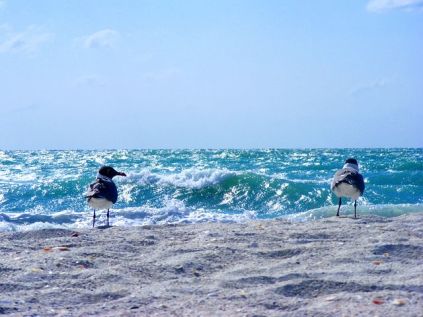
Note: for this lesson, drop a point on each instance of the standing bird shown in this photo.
(348, 182)
(102, 194)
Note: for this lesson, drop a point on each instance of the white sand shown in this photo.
(333, 267)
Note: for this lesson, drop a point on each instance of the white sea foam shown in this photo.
(9, 177)
(42, 225)
(189, 178)
(175, 212)
(387, 210)
(7, 227)
(284, 176)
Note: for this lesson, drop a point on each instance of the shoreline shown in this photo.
(328, 267)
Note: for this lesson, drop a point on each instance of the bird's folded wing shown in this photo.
(348, 176)
(344, 176)
(94, 190)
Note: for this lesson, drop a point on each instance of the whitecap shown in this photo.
(189, 178)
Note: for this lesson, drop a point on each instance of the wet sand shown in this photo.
(332, 267)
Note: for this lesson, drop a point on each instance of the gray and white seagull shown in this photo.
(102, 194)
(348, 182)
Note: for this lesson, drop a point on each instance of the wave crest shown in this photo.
(193, 178)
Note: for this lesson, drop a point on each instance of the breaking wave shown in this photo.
(45, 188)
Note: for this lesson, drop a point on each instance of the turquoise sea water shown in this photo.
(42, 189)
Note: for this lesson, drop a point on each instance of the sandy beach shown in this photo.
(332, 267)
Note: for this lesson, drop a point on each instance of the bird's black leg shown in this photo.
(94, 218)
(107, 217)
(355, 209)
(339, 206)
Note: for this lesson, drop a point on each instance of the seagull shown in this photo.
(102, 194)
(348, 182)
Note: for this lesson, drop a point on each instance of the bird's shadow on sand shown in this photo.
(348, 217)
(104, 227)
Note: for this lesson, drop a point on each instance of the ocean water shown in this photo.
(44, 189)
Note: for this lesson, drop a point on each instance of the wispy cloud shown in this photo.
(369, 86)
(2, 4)
(104, 38)
(90, 80)
(21, 110)
(162, 75)
(28, 41)
(383, 5)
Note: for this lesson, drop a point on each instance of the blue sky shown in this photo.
(210, 74)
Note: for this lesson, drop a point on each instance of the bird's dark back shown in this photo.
(349, 176)
(105, 189)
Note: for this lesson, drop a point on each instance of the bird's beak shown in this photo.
(121, 174)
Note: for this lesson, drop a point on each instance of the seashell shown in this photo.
(378, 301)
(399, 302)
(36, 269)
